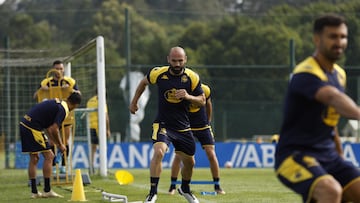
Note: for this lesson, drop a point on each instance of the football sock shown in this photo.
(47, 185)
(33, 185)
(154, 184)
(173, 185)
(217, 184)
(185, 185)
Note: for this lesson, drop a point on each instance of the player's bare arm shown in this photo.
(53, 132)
(337, 141)
(208, 108)
(199, 100)
(343, 104)
(139, 90)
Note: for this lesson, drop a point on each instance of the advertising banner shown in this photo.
(138, 155)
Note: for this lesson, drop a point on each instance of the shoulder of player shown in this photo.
(309, 65)
(69, 79)
(192, 75)
(156, 72)
(46, 80)
(159, 69)
(65, 106)
(92, 102)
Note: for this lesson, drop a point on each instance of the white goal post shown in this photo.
(101, 91)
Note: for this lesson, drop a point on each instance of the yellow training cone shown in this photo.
(124, 177)
(78, 193)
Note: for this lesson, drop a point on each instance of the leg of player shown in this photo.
(186, 172)
(94, 143)
(327, 190)
(175, 169)
(352, 192)
(214, 167)
(92, 158)
(47, 168)
(34, 159)
(155, 170)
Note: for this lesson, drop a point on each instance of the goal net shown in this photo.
(22, 77)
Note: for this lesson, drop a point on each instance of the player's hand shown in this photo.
(62, 148)
(65, 86)
(44, 87)
(181, 94)
(133, 108)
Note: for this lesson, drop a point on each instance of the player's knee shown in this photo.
(158, 153)
(189, 161)
(210, 153)
(35, 158)
(329, 189)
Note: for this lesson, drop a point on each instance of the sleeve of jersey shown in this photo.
(207, 91)
(198, 90)
(154, 73)
(306, 84)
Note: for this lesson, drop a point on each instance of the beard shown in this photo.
(334, 53)
(176, 69)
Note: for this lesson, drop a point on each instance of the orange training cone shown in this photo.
(78, 193)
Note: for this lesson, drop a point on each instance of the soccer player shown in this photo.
(46, 116)
(59, 80)
(178, 87)
(307, 159)
(200, 119)
(94, 127)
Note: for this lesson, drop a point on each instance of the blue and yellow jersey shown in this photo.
(93, 116)
(198, 116)
(172, 112)
(44, 114)
(308, 125)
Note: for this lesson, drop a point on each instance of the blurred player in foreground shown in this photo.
(44, 118)
(308, 159)
(200, 119)
(178, 87)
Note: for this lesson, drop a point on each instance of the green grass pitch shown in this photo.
(241, 186)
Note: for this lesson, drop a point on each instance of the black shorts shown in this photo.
(299, 172)
(94, 136)
(205, 136)
(33, 140)
(183, 141)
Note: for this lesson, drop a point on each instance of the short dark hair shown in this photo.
(74, 98)
(328, 20)
(57, 62)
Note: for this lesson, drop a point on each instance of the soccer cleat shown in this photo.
(151, 198)
(172, 189)
(188, 196)
(36, 195)
(220, 191)
(50, 194)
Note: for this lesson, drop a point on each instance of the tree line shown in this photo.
(208, 33)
